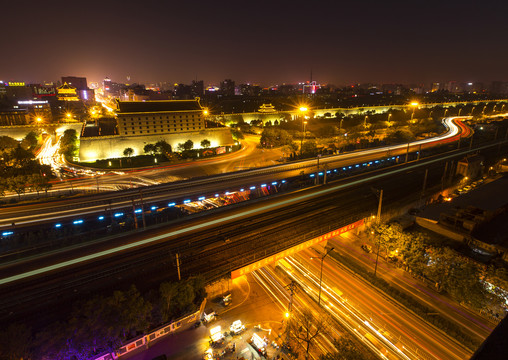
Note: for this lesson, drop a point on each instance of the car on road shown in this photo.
(237, 327)
(367, 248)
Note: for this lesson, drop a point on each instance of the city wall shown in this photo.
(107, 147)
(248, 117)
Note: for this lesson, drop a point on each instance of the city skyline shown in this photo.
(264, 43)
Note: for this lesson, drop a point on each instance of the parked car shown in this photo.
(367, 248)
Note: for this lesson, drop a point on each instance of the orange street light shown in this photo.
(39, 119)
(205, 112)
(68, 115)
(303, 109)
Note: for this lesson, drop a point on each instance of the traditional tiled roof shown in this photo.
(158, 106)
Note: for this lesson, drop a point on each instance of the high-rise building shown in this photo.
(197, 88)
(78, 82)
(227, 87)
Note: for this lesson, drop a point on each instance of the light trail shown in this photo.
(292, 200)
(453, 130)
(341, 309)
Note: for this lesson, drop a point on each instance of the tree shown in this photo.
(31, 139)
(7, 143)
(15, 342)
(272, 136)
(162, 147)
(40, 182)
(128, 152)
(305, 327)
(205, 143)
(18, 184)
(188, 145)
(236, 134)
(68, 143)
(150, 149)
(399, 137)
(309, 148)
(167, 292)
(346, 348)
(131, 311)
(20, 156)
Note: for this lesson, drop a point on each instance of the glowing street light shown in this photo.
(205, 112)
(302, 110)
(388, 121)
(414, 104)
(39, 119)
(68, 115)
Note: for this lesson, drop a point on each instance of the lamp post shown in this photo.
(302, 110)
(303, 138)
(414, 104)
(388, 121)
(472, 110)
(459, 112)
(446, 110)
(321, 273)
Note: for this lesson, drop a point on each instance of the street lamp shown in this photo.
(303, 138)
(414, 104)
(302, 110)
(472, 110)
(459, 112)
(365, 121)
(321, 273)
(483, 111)
(388, 121)
(446, 110)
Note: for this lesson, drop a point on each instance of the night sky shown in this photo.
(265, 42)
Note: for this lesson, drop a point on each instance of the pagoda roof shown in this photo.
(158, 106)
(66, 86)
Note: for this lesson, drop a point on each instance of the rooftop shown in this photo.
(489, 197)
(158, 106)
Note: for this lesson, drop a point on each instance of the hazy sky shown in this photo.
(266, 42)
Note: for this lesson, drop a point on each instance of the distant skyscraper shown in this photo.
(78, 82)
(227, 87)
(197, 88)
(106, 84)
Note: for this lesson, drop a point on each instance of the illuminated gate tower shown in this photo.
(67, 93)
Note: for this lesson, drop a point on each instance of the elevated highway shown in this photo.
(191, 190)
